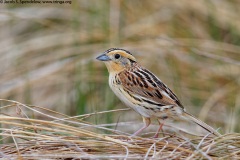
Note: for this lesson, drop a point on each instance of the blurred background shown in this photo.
(47, 55)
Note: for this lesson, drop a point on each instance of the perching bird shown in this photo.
(142, 91)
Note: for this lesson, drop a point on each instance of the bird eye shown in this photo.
(117, 56)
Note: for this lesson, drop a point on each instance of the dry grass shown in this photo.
(62, 137)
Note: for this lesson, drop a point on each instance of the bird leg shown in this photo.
(159, 129)
(146, 122)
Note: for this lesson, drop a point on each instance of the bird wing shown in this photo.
(141, 83)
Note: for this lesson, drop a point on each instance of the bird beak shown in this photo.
(103, 57)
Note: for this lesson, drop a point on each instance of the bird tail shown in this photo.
(201, 124)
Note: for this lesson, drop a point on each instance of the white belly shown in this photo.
(126, 99)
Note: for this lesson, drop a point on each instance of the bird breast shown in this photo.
(127, 99)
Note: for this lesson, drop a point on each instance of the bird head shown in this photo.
(117, 59)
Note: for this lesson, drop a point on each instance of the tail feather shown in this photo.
(201, 124)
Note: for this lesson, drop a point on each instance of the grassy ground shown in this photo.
(48, 55)
(58, 136)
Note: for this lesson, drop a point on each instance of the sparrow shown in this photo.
(142, 91)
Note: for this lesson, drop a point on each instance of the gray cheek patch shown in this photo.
(124, 61)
